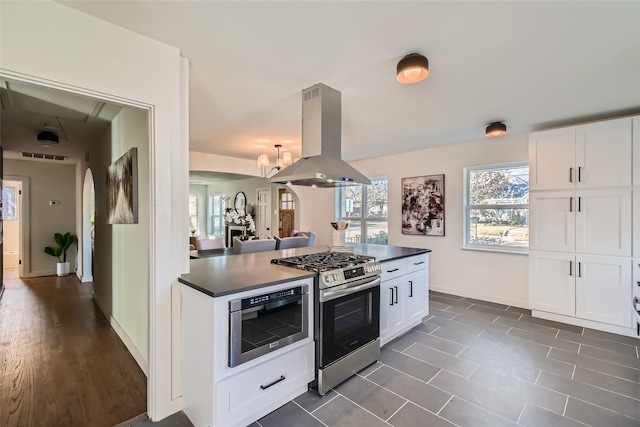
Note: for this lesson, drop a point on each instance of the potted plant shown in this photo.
(64, 241)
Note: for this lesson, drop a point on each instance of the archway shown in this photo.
(88, 212)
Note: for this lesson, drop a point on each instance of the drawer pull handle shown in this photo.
(264, 387)
(570, 174)
(579, 174)
(391, 289)
(418, 263)
(570, 204)
(410, 289)
(391, 271)
(396, 288)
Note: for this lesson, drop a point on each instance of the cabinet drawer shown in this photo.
(395, 268)
(417, 262)
(247, 396)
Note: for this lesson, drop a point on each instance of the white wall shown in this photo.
(53, 45)
(490, 276)
(47, 181)
(121, 251)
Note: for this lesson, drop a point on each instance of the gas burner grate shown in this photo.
(323, 261)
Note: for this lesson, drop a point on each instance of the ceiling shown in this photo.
(530, 64)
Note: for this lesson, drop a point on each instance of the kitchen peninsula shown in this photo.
(221, 388)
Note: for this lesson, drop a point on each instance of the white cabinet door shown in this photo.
(391, 309)
(416, 297)
(603, 154)
(636, 220)
(552, 221)
(603, 289)
(552, 159)
(603, 222)
(551, 282)
(636, 150)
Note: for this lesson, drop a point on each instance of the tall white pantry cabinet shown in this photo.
(584, 223)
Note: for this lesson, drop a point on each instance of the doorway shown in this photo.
(287, 212)
(11, 217)
(264, 212)
(88, 226)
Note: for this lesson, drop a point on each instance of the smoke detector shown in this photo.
(46, 137)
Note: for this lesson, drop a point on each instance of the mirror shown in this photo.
(240, 203)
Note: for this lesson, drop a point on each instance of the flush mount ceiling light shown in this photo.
(496, 129)
(412, 68)
(264, 163)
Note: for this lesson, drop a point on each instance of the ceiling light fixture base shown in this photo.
(413, 68)
(496, 129)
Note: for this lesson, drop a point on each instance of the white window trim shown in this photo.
(466, 231)
(362, 219)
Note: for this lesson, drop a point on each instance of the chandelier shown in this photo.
(264, 162)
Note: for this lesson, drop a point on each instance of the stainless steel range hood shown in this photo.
(320, 165)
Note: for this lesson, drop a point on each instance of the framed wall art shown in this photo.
(122, 189)
(423, 205)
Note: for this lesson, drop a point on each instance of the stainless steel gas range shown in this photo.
(347, 313)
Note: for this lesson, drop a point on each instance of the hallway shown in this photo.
(61, 363)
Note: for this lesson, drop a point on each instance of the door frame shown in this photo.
(23, 212)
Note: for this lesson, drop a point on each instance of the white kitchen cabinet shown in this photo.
(636, 220)
(589, 287)
(603, 291)
(416, 297)
(241, 399)
(603, 222)
(587, 221)
(592, 155)
(636, 151)
(552, 221)
(404, 295)
(551, 282)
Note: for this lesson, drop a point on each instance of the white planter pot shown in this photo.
(62, 268)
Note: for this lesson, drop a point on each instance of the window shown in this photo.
(193, 214)
(497, 207)
(364, 207)
(216, 214)
(286, 201)
(9, 204)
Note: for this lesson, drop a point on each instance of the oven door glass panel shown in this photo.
(267, 325)
(348, 323)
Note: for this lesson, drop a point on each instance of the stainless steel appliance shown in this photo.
(267, 322)
(347, 320)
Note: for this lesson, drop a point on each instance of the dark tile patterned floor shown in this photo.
(475, 363)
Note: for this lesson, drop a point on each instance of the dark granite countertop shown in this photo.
(225, 275)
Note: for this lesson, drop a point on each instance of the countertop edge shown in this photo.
(247, 288)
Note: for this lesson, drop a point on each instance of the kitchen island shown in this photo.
(216, 392)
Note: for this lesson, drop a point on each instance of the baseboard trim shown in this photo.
(480, 296)
(128, 342)
(570, 320)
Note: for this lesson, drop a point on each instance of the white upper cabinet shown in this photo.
(593, 155)
(552, 159)
(603, 154)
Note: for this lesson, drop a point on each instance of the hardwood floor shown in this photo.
(61, 363)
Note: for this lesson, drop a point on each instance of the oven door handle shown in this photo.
(328, 295)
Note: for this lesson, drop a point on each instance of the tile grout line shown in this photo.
(360, 406)
(566, 403)
(445, 404)
(320, 405)
(522, 412)
(311, 413)
(574, 371)
(548, 352)
(398, 410)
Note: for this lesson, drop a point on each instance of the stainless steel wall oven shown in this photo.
(264, 323)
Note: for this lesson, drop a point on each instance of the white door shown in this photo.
(11, 226)
(552, 282)
(603, 222)
(603, 154)
(603, 289)
(264, 212)
(416, 296)
(552, 159)
(552, 220)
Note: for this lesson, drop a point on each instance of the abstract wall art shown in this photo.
(122, 189)
(423, 205)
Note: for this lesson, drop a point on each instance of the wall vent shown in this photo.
(42, 156)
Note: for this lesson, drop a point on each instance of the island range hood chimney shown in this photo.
(321, 164)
